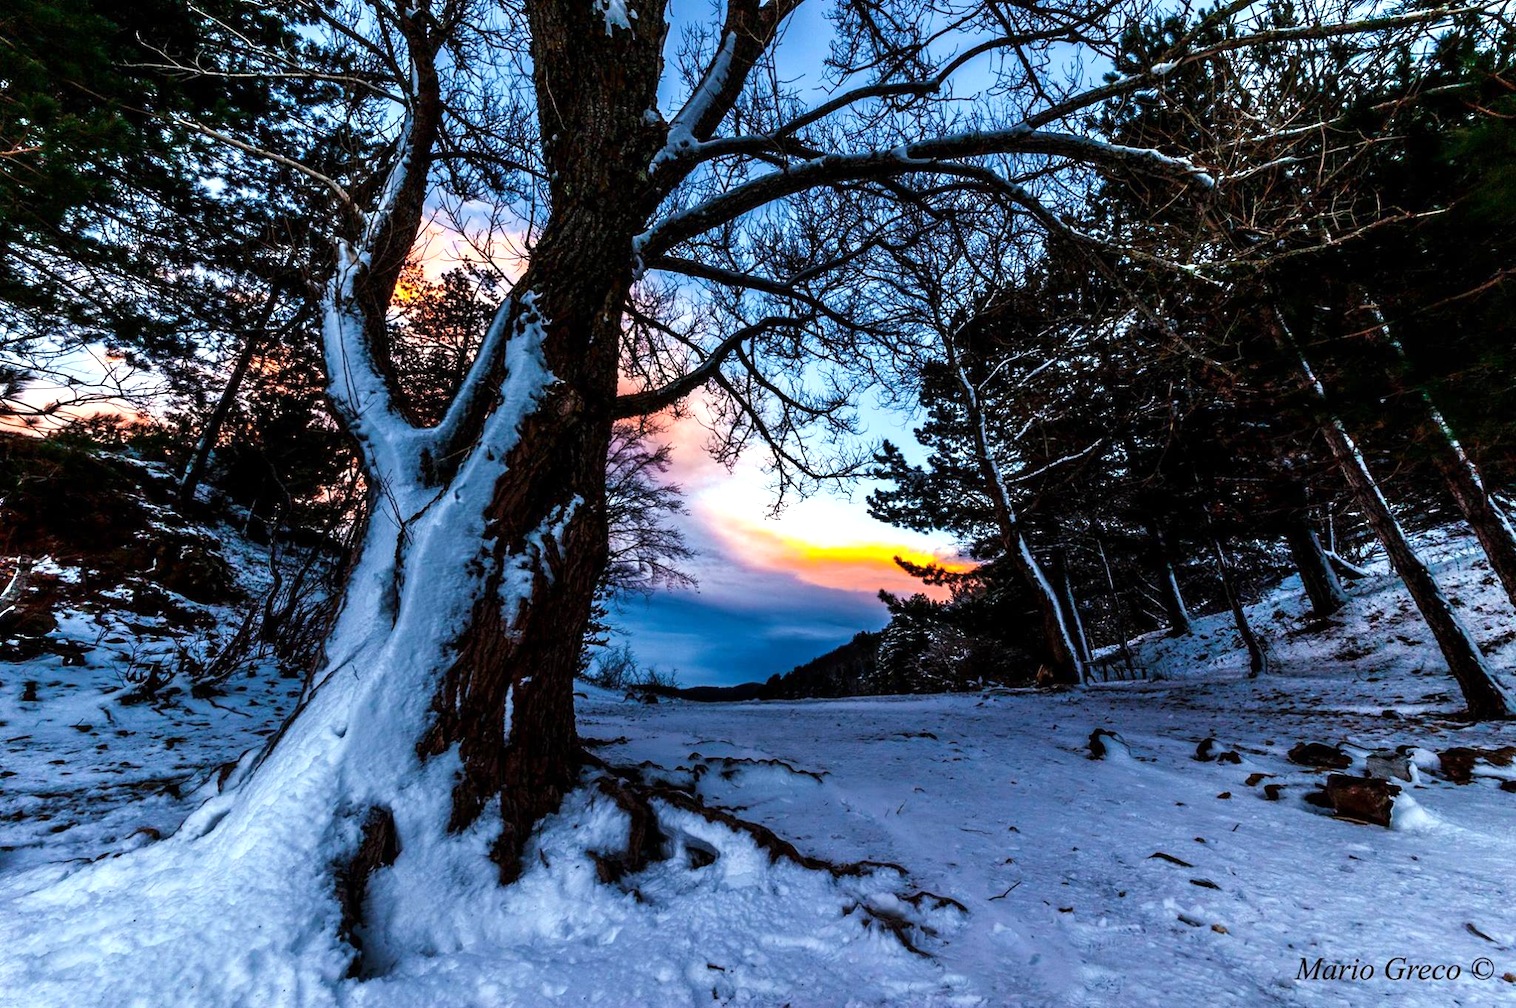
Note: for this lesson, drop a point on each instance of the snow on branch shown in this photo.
(358, 389)
(928, 155)
(748, 32)
(690, 140)
(482, 373)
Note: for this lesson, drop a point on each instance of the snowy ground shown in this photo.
(989, 799)
(85, 763)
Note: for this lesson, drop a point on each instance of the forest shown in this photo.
(352, 355)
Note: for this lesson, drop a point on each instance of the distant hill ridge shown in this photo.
(849, 670)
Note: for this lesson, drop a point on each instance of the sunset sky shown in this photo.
(774, 592)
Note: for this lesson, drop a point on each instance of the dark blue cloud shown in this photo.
(754, 625)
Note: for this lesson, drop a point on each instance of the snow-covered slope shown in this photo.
(104, 732)
(1145, 878)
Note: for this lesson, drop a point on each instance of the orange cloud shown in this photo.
(849, 566)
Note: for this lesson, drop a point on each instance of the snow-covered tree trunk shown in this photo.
(490, 537)
(445, 707)
(1175, 612)
(1490, 523)
(1485, 696)
(1062, 650)
(1070, 601)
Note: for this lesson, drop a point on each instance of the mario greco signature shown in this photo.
(1395, 968)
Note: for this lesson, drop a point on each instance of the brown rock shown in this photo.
(1460, 762)
(1361, 799)
(1318, 754)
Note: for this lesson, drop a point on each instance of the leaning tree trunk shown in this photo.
(1175, 612)
(1486, 698)
(1491, 527)
(1062, 653)
(194, 469)
(1258, 660)
(1488, 520)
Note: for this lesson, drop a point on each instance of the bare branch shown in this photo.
(652, 400)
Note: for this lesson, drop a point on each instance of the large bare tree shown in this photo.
(683, 226)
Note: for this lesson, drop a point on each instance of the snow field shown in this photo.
(1149, 878)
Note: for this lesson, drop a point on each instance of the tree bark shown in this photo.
(1486, 518)
(1321, 584)
(506, 701)
(1485, 697)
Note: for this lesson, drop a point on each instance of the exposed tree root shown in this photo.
(730, 765)
(894, 923)
(776, 846)
(378, 848)
(937, 901)
(645, 841)
(630, 789)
